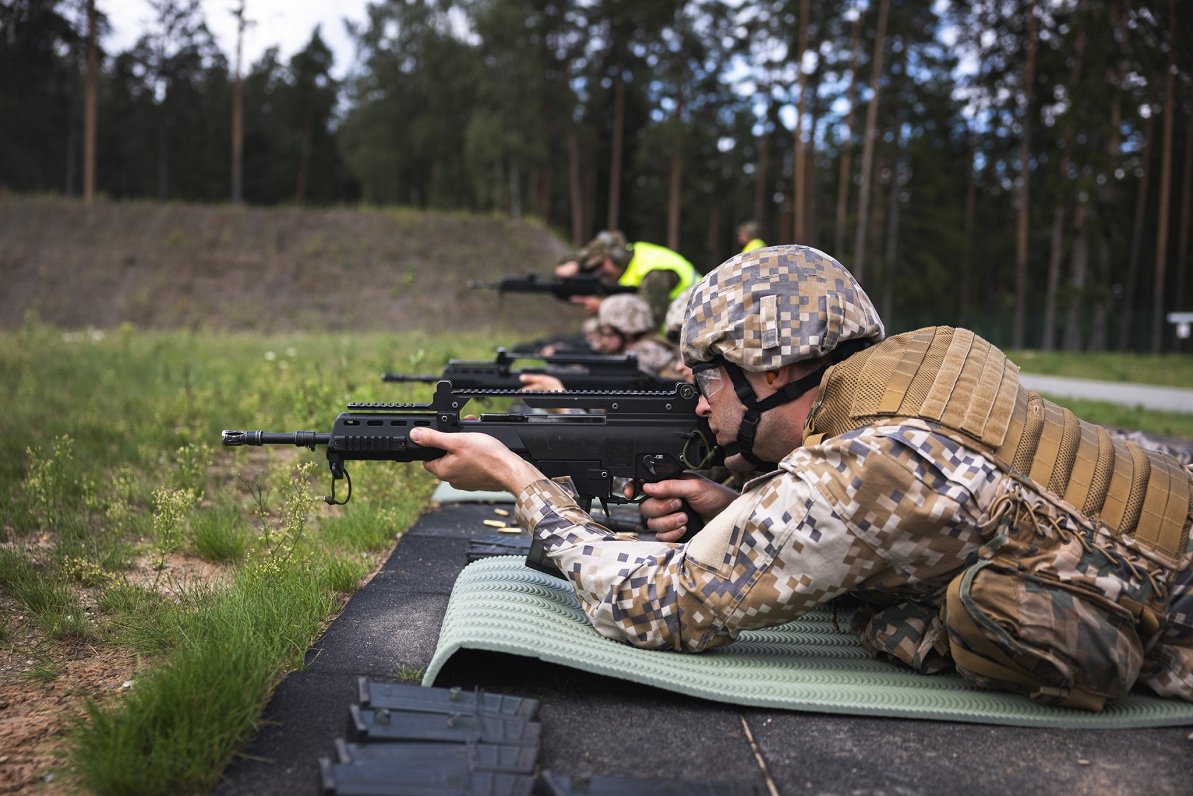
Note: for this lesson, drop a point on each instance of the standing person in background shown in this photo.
(659, 273)
(748, 235)
(981, 526)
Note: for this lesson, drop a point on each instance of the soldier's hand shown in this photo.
(570, 268)
(591, 304)
(662, 507)
(475, 461)
(540, 382)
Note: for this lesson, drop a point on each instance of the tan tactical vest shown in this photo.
(955, 379)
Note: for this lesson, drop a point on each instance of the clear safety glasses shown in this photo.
(708, 379)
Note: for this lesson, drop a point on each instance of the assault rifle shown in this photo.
(576, 371)
(562, 288)
(642, 436)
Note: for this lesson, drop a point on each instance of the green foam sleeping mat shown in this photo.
(499, 604)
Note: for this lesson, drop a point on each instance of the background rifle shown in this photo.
(562, 288)
(643, 436)
(576, 371)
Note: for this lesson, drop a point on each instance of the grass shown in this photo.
(111, 466)
(1166, 370)
(221, 535)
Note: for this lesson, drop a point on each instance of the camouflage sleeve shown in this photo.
(654, 356)
(655, 290)
(823, 525)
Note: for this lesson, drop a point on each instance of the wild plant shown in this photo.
(193, 459)
(171, 509)
(278, 543)
(47, 481)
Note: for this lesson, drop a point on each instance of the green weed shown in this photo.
(48, 482)
(220, 534)
(410, 674)
(171, 510)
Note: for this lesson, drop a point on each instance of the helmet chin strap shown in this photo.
(748, 429)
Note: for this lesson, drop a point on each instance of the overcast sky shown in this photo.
(286, 24)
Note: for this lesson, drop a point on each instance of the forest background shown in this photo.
(1021, 167)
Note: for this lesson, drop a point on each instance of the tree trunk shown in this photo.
(515, 187)
(1077, 281)
(675, 182)
(762, 172)
(89, 116)
(238, 120)
(1108, 193)
(1055, 258)
(1182, 248)
(1158, 286)
(590, 186)
(304, 162)
(1048, 339)
(892, 238)
(846, 171)
(863, 202)
(1018, 336)
(797, 176)
(810, 225)
(616, 154)
(575, 191)
(964, 284)
(714, 233)
(162, 158)
(675, 186)
(1126, 320)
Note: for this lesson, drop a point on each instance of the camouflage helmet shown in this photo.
(677, 310)
(606, 244)
(627, 313)
(774, 306)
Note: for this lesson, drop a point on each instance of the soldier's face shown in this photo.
(608, 341)
(608, 271)
(780, 430)
(723, 410)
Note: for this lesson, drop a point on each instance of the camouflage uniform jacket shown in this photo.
(889, 512)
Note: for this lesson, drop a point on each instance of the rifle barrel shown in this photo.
(422, 378)
(301, 439)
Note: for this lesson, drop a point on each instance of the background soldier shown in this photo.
(624, 325)
(659, 273)
(749, 235)
(980, 525)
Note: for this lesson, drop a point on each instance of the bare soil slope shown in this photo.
(269, 269)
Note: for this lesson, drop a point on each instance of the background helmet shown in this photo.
(627, 313)
(677, 310)
(606, 244)
(774, 306)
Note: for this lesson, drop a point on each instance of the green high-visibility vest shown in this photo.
(649, 257)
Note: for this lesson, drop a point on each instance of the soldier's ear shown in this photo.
(771, 375)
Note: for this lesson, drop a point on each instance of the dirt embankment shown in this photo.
(224, 267)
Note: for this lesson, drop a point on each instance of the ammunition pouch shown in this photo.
(1053, 613)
